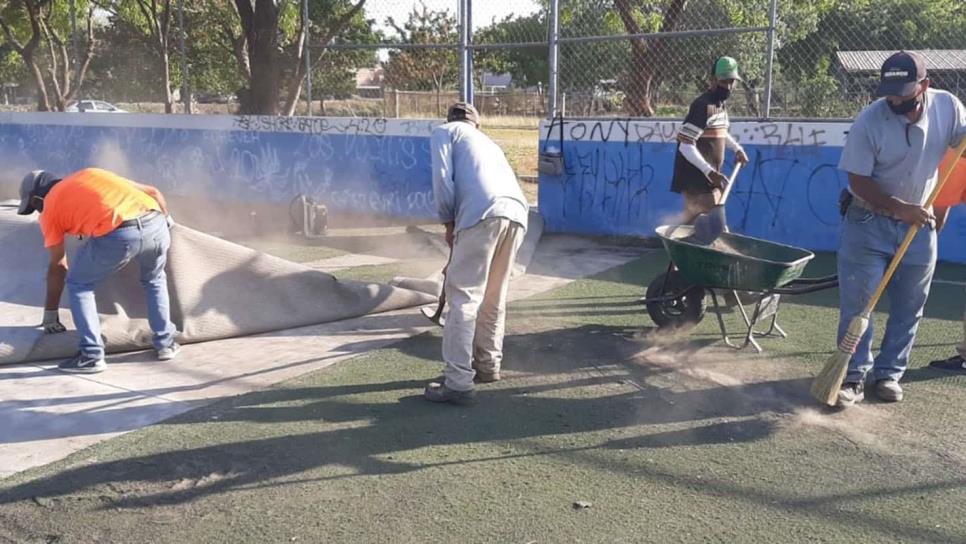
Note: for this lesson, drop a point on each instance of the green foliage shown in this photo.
(424, 69)
(528, 66)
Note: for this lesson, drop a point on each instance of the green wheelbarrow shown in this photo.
(736, 271)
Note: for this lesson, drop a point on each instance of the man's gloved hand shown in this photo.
(52, 324)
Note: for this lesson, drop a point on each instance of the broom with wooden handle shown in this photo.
(826, 386)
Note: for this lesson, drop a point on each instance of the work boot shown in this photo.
(850, 394)
(438, 392)
(79, 364)
(956, 363)
(486, 376)
(888, 390)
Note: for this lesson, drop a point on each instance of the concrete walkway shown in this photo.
(47, 415)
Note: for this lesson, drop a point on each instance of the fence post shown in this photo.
(185, 87)
(772, 19)
(466, 53)
(308, 63)
(552, 60)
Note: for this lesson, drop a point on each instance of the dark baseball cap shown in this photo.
(36, 183)
(463, 111)
(900, 73)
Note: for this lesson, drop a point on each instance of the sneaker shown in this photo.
(80, 364)
(438, 392)
(850, 394)
(956, 363)
(888, 390)
(170, 352)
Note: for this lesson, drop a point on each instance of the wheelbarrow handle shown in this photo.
(731, 183)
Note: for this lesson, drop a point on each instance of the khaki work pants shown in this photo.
(697, 203)
(476, 289)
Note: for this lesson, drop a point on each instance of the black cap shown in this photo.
(36, 183)
(900, 73)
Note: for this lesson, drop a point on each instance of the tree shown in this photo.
(527, 66)
(429, 68)
(151, 19)
(270, 46)
(35, 29)
(328, 20)
(649, 56)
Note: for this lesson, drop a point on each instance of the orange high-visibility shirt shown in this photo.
(954, 191)
(91, 202)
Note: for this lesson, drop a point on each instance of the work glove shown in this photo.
(52, 324)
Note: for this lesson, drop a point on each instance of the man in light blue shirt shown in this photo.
(485, 213)
(891, 156)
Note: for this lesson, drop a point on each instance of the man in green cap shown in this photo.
(702, 140)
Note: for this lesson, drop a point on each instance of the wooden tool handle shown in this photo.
(731, 183)
(911, 233)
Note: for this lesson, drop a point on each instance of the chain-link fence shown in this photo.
(529, 58)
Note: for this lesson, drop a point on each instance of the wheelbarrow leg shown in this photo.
(721, 324)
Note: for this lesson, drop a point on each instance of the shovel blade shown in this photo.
(434, 315)
(709, 226)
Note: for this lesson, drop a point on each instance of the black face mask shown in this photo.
(905, 106)
(720, 94)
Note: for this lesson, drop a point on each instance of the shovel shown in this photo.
(709, 226)
(436, 316)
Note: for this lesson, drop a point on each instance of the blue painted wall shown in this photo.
(374, 166)
(618, 175)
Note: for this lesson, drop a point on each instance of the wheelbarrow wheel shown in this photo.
(684, 311)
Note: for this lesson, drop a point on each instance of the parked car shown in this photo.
(97, 106)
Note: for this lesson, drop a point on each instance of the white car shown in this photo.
(97, 106)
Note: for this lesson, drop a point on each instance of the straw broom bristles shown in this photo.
(826, 386)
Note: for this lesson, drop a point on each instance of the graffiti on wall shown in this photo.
(366, 165)
(617, 179)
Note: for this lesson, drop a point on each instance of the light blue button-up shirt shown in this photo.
(472, 179)
(903, 157)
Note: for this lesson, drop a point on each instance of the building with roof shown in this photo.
(859, 70)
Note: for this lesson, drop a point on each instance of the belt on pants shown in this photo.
(865, 205)
(140, 220)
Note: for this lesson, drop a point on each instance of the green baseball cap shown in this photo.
(725, 68)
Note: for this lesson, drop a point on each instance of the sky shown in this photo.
(483, 10)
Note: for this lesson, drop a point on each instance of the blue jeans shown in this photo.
(868, 243)
(101, 257)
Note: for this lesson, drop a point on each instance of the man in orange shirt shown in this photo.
(953, 193)
(123, 221)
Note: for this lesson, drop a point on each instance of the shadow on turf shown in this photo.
(397, 422)
(559, 406)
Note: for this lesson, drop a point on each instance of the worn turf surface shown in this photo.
(662, 438)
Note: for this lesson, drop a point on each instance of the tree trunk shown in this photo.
(166, 74)
(260, 26)
(295, 85)
(647, 57)
(43, 99)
